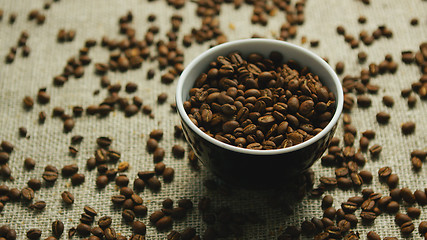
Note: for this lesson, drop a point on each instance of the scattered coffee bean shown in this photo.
(57, 228)
(34, 233)
(178, 151)
(67, 197)
(408, 127)
(383, 117)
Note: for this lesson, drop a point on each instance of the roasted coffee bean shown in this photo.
(413, 212)
(34, 184)
(402, 218)
(422, 228)
(383, 117)
(164, 223)
(388, 101)
(366, 176)
(407, 195)
(330, 213)
(373, 236)
(408, 127)
(102, 181)
(77, 179)
(83, 229)
(138, 227)
(57, 228)
(407, 228)
(104, 142)
(105, 222)
(67, 197)
(27, 194)
(384, 172)
(327, 201)
(344, 183)
(339, 67)
(168, 174)
(420, 197)
(364, 101)
(349, 207)
(178, 151)
(156, 134)
(34, 233)
(375, 150)
(158, 154)
(392, 181)
(39, 205)
(392, 207)
(152, 144)
(368, 217)
(185, 203)
(69, 170)
(328, 181)
(14, 194)
(122, 180)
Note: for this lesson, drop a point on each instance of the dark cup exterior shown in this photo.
(254, 171)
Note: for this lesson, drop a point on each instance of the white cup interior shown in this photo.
(264, 47)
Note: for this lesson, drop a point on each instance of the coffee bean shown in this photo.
(178, 151)
(408, 127)
(402, 218)
(327, 201)
(327, 181)
(413, 212)
(34, 233)
(392, 207)
(375, 150)
(27, 194)
(373, 236)
(39, 205)
(388, 101)
(105, 222)
(152, 144)
(110, 234)
(370, 134)
(69, 170)
(77, 179)
(83, 229)
(364, 101)
(422, 228)
(344, 183)
(168, 174)
(384, 172)
(34, 184)
(368, 217)
(102, 181)
(407, 195)
(138, 227)
(407, 228)
(185, 203)
(383, 117)
(392, 181)
(164, 223)
(339, 67)
(122, 180)
(57, 228)
(67, 197)
(158, 154)
(69, 125)
(330, 213)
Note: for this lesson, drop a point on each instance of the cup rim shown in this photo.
(339, 98)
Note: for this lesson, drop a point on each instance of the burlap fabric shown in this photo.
(48, 144)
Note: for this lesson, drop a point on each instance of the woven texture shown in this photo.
(48, 144)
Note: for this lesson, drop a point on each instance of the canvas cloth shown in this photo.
(48, 144)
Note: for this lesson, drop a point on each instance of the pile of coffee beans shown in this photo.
(259, 103)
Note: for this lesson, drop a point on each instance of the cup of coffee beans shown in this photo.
(257, 112)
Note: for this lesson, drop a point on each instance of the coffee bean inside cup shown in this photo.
(259, 102)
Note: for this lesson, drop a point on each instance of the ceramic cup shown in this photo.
(257, 169)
